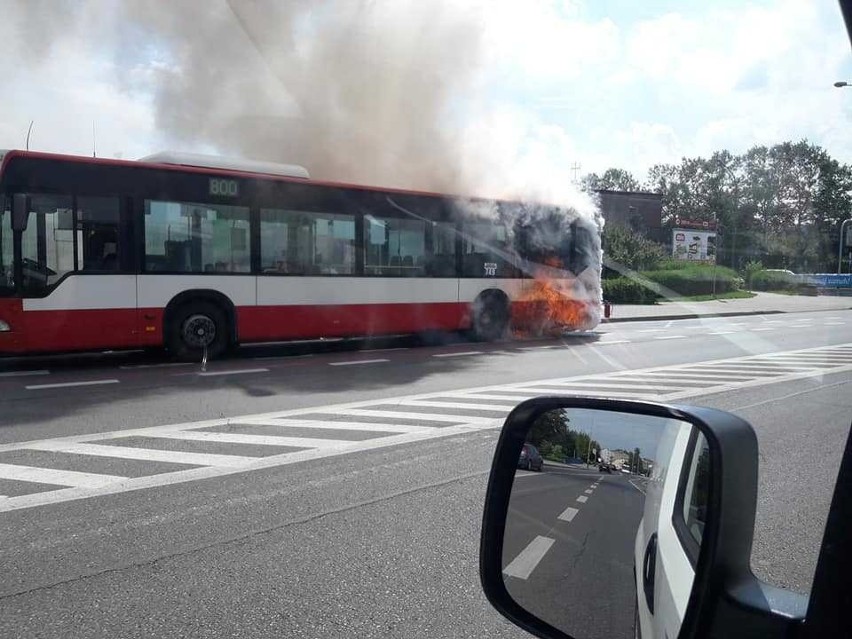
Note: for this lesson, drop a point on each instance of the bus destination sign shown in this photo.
(223, 187)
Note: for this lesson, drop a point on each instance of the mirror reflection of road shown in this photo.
(569, 559)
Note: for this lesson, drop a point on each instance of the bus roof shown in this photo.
(228, 164)
(247, 168)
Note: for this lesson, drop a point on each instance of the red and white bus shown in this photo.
(195, 253)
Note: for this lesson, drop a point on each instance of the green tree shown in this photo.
(613, 179)
(631, 250)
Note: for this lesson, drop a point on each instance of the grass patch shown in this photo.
(729, 295)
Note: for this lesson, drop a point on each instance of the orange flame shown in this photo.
(547, 308)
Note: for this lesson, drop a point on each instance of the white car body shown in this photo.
(674, 573)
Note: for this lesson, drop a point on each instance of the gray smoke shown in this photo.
(384, 92)
(361, 91)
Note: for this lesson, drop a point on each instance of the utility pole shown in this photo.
(575, 169)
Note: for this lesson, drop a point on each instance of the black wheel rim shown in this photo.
(198, 331)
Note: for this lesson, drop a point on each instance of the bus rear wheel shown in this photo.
(196, 326)
(490, 316)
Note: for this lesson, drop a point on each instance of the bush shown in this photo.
(772, 281)
(696, 279)
(631, 250)
(750, 269)
(622, 290)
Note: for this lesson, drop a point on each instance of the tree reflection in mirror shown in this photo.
(602, 541)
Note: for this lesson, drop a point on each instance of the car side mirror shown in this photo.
(20, 212)
(626, 519)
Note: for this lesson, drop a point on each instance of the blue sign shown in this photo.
(830, 280)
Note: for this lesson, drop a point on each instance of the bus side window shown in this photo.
(97, 233)
(188, 237)
(394, 246)
(306, 243)
(486, 251)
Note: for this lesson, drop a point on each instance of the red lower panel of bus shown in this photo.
(69, 330)
(304, 322)
(43, 331)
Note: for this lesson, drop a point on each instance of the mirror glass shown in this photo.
(604, 524)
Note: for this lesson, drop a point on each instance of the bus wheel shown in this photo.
(196, 326)
(490, 316)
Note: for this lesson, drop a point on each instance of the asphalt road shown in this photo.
(568, 551)
(372, 538)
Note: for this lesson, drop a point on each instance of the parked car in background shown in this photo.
(530, 458)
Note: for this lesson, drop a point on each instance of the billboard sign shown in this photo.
(694, 245)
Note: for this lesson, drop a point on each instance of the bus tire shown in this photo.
(195, 325)
(490, 316)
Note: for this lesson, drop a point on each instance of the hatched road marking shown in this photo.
(321, 431)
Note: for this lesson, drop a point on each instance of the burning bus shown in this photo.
(198, 254)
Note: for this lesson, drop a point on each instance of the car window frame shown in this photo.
(690, 546)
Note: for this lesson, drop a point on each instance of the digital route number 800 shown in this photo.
(220, 187)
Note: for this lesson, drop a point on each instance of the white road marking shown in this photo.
(24, 373)
(258, 440)
(92, 382)
(635, 486)
(463, 354)
(721, 332)
(611, 341)
(835, 323)
(588, 491)
(358, 361)
(671, 337)
(129, 367)
(651, 330)
(430, 404)
(568, 514)
(429, 417)
(523, 565)
(57, 477)
(353, 426)
(144, 454)
(385, 350)
(349, 413)
(582, 499)
(236, 371)
(540, 348)
(650, 385)
(767, 328)
(569, 389)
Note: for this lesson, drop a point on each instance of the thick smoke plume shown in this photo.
(383, 92)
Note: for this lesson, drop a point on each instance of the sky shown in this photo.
(414, 93)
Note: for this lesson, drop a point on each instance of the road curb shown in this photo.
(680, 316)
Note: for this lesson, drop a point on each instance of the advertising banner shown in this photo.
(694, 245)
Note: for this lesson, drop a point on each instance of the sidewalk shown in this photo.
(761, 303)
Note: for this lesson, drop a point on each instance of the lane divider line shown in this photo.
(465, 353)
(358, 361)
(241, 371)
(568, 514)
(24, 373)
(92, 382)
(522, 566)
